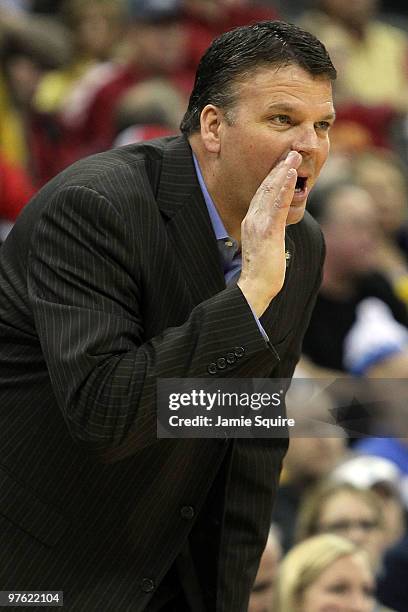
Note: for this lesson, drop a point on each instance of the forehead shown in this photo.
(288, 86)
(345, 502)
(353, 566)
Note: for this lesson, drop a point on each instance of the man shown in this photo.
(348, 218)
(112, 279)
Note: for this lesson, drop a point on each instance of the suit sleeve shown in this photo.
(87, 297)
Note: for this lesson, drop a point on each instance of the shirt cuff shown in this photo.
(259, 324)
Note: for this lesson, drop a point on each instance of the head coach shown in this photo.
(121, 272)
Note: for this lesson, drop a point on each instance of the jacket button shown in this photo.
(212, 368)
(231, 358)
(187, 512)
(147, 585)
(221, 363)
(239, 351)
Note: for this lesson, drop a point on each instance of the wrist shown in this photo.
(257, 299)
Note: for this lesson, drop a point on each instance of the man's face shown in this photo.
(351, 231)
(277, 110)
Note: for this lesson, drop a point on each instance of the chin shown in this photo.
(295, 214)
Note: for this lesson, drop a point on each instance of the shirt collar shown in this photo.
(216, 221)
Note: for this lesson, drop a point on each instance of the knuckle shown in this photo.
(268, 186)
(279, 203)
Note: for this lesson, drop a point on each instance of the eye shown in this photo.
(281, 119)
(338, 588)
(324, 126)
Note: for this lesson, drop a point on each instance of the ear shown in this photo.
(210, 120)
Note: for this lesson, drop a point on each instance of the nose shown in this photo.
(357, 535)
(306, 140)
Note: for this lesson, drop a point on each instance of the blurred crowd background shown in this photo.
(78, 77)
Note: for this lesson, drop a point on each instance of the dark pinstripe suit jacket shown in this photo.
(110, 279)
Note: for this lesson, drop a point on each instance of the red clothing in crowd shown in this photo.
(376, 120)
(15, 190)
(202, 31)
(99, 126)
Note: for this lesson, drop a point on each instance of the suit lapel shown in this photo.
(189, 226)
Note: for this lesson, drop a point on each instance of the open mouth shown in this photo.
(300, 184)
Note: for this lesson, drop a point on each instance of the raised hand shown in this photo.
(263, 235)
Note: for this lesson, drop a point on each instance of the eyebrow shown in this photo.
(287, 108)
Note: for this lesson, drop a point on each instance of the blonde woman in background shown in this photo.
(346, 511)
(326, 572)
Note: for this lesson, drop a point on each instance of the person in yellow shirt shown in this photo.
(374, 71)
(95, 28)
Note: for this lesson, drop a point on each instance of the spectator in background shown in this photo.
(151, 109)
(94, 27)
(349, 222)
(372, 89)
(326, 572)
(155, 46)
(382, 174)
(383, 477)
(348, 511)
(375, 72)
(28, 46)
(264, 588)
(377, 347)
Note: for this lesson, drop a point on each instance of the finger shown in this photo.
(277, 177)
(293, 159)
(276, 203)
(278, 208)
(284, 198)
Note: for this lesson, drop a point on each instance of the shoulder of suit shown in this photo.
(115, 165)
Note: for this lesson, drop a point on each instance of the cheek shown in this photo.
(266, 149)
(323, 154)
